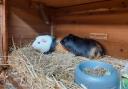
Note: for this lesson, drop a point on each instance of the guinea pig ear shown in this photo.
(37, 37)
(70, 35)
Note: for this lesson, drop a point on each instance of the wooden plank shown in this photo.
(25, 23)
(4, 31)
(1, 39)
(97, 19)
(63, 3)
(93, 12)
(116, 49)
(0, 10)
(109, 4)
(1, 20)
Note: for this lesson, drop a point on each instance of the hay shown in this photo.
(34, 70)
(39, 71)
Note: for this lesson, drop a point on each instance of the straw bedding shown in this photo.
(34, 70)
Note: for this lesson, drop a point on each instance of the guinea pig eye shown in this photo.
(44, 41)
(38, 42)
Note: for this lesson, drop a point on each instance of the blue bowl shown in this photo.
(111, 80)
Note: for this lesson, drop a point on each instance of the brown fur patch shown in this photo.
(60, 48)
(92, 53)
(94, 50)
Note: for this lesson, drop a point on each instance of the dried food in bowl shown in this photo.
(109, 80)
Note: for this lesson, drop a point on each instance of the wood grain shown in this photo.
(1, 30)
(5, 31)
(25, 22)
(63, 3)
(116, 41)
(106, 4)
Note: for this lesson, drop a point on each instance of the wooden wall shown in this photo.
(107, 17)
(25, 22)
(114, 25)
(1, 16)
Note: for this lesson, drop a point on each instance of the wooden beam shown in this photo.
(4, 31)
(95, 12)
(102, 19)
(65, 3)
(106, 4)
(92, 2)
(43, 14)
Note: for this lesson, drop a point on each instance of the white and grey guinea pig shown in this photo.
(44, 43)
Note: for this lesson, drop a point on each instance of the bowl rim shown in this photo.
(110, 68)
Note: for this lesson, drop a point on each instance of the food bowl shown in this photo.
(109, 79)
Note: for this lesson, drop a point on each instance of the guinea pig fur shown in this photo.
(60, 48)
(45, 44)
(83, 46)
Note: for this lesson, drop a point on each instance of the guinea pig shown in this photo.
(83, 46)
(45, 44)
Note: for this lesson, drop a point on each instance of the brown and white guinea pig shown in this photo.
(83, 46)
(44, 43)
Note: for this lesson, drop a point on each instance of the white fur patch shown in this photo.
(42, 43)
